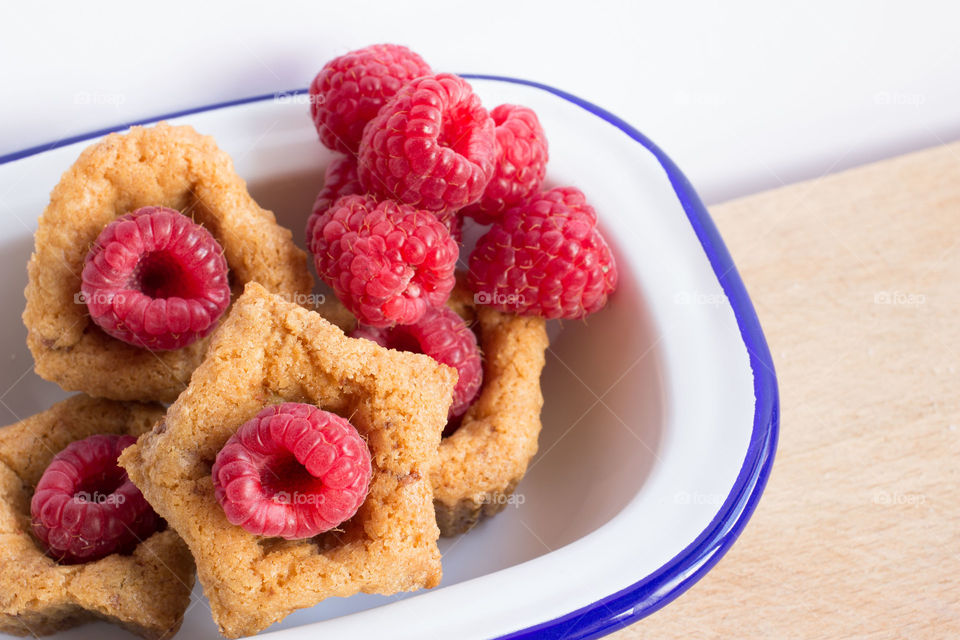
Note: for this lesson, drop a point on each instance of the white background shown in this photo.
(743, 97)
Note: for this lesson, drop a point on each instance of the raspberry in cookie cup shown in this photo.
(481, 462)
(494, 424)
(156, 279)
(292, 471)
(123, 356)
(85, 507)
(296, 379)
(80, 543)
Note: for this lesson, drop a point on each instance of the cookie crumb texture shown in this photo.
(145, 592)
(481, 463)
(270, 351)
(166, 166)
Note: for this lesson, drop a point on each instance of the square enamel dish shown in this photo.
(661, 412)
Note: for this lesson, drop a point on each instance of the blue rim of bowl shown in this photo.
(683, 570)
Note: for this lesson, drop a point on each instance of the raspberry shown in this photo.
(155, 279)
(85, 507)
(545, 258)
(387, 262)
(340, 180)
(292, 471)
(445, 337)
(521, 163)
(349, 91)
(432, 146)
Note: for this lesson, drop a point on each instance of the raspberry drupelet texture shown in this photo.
(445, 337)
(545, 258)
(432, 146)
(155, 279)
(340, 180)
(387, 262)
(293, 471)
(521, 163)
(350, 90)
(85, 507)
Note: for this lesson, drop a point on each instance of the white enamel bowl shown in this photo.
(660, 420)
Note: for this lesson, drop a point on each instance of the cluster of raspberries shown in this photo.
(421, 153)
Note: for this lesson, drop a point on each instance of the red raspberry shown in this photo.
(432, 146)
(85, 507)
(387, 262)
(445, 337)
(521, 163)
(545, 258)
(292, 471)
(155, 279)
(340, 180)
(349, 91)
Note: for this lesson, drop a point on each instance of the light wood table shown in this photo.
(856, 279)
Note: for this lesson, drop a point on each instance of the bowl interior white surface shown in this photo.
(649, 404)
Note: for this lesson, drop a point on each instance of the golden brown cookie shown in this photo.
(146, 592)
(481, 463)
(166, 166)
(269, 351)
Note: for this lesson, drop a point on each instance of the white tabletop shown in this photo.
(743, 97)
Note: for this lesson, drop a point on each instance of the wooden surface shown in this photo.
(856, 279)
